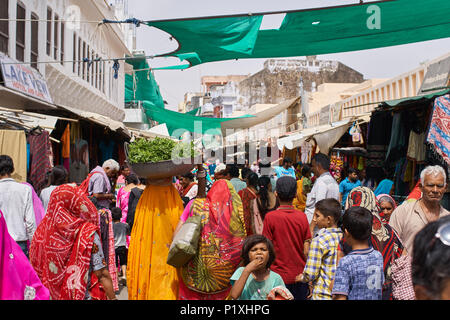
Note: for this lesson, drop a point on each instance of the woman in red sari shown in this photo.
(249, 196)
(66, 251)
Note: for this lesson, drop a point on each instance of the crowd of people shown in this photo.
(277, 233)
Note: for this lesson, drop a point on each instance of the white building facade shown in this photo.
(64, 33)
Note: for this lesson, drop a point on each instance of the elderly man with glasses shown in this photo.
(410, 217)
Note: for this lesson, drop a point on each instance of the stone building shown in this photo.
(280, 79)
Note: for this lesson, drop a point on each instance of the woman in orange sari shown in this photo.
(303, 188)
(149, 277)
(207, 275)
(248, 197)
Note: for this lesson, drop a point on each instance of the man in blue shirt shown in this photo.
(348, 184)
(286, 169)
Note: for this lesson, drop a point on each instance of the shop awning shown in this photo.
(13, 99)
(315, 31)
(99, 119)
(410, 100)
(326, 136)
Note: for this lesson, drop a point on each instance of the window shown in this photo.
(96, 72)
(103, 75)
(20, 33)
(84, 63)
(79, 56)
(55, 37)
(88, 56)
(92, 68)
(62, 44)
(34, 40)
(74, 55)
(49, 31)
(4, 26)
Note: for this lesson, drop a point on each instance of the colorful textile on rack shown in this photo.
(40, 159)
(440, 127)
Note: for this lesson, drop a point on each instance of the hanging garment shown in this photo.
(416, 146)
(399, 138)
(40, 160)
(65, 142)
(379, 133)
(107, 149)
(80, 152)
(14, 144)
(438, 135)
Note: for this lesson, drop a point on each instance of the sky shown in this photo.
(374, 63)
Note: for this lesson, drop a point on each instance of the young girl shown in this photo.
(255, 281)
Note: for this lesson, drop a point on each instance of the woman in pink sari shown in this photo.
(123, 195)
(18, 280)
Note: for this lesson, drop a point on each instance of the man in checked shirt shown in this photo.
(321, 264)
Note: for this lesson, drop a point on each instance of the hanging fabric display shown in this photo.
(40, 151)
(14, 144)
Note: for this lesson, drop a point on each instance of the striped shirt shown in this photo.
(321, 264)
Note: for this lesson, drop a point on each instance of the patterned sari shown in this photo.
(248, 198)
(61, 248)
(207, 275)
(384, 238)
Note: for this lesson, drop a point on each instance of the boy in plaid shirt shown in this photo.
(321, 264)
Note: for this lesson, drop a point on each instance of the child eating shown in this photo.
(255, 281)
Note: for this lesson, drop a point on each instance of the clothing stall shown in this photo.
(402, 141)
(85, 145)
(25, 138)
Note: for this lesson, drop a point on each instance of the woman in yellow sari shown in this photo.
(304, 186)
(149, 277)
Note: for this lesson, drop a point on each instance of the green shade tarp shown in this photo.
(409, 100)
(193, 112)
(143, 84)
(310, 32)
(177, 123)
(129, 90)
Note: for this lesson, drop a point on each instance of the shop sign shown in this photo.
(437, 76)
(23, 78)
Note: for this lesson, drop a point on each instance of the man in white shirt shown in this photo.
(324, 187)
(16, 203)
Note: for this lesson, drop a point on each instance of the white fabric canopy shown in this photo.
(259, 117)
(326, 136)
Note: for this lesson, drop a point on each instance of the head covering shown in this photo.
(383, 238)
(18, 280)
(382, 198)
(207, 274)
(385, 187)
(61, 248)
